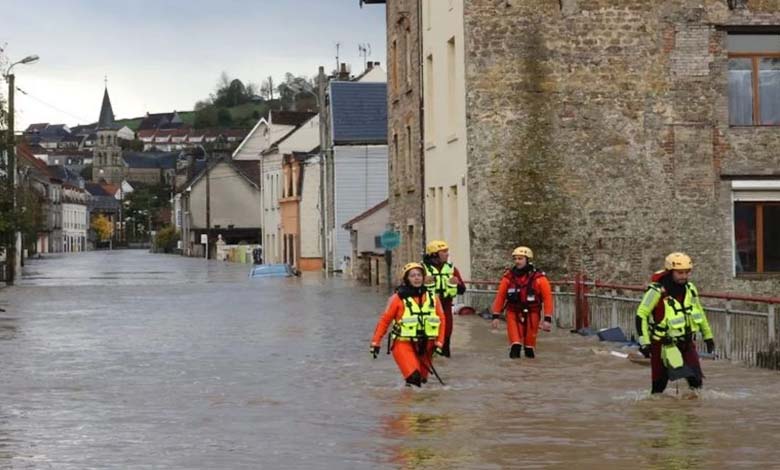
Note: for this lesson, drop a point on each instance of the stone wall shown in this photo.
(404, 114)
(598, 135)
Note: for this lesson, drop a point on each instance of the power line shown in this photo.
(79, 119)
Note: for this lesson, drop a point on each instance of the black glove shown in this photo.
(645, 350)
(374, 351)
(710, 345)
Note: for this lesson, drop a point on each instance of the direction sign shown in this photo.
(390, 240)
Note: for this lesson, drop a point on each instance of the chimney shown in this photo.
(369, 65)
(343, 72)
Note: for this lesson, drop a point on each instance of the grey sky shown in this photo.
(166, 54)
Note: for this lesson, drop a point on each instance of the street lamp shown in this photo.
(11, 167)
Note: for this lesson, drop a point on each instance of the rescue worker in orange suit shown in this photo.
(667, 320)
(524, 292)
(444, 280)
(418, 326)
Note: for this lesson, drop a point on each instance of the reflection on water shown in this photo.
(128, 360)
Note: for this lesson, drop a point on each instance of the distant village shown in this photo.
(224, 193)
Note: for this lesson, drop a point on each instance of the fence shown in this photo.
(745, 328)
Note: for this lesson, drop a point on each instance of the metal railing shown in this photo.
(745, 328)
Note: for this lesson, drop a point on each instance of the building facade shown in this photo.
(75, 221)
(606, 134)
(446, 184)
(404, 127)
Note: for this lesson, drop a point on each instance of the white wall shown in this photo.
(444, 92)
(310, 214)
(254, 143)
(234, 201)
(272, 181)
(369, 228)
(360, 183)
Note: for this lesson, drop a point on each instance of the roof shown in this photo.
(249, 169)
(348, 224)
(160, 121)
(63, 173)
(290, 118)
(162, 160)
(35, 128)
(358, 112)
(106, 120)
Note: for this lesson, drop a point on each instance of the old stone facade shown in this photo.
(405, 152)
(599, 134)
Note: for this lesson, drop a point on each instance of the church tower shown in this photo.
(107, 162)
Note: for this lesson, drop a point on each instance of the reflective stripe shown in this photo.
(419, 321)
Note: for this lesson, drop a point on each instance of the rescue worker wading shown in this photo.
(524, 292)
(667, 321)
(418, 326)
(443, 280)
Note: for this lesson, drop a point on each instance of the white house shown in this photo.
(75, 222)
(358, 132)
(302, 135)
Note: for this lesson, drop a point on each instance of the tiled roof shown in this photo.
(163, 160)
(359, 112)
(290, 118)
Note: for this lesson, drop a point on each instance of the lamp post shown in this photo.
(11, 167)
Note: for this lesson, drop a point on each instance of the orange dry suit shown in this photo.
(418, 328)
(524, 293)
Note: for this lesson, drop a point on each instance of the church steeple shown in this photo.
(106, 120)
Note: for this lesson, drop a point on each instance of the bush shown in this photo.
(166, 239)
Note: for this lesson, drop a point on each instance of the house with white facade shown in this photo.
(357, 179)
(75, 221)
(269, 131)
(221, 201)
(444, 94)
(272, 176)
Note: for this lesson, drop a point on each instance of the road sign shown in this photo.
(204, 239)
(390, 240)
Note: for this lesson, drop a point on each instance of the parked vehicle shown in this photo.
(273, 270)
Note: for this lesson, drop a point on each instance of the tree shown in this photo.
(102, 227)
(166, 239)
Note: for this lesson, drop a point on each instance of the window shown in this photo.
(757, 236)
(430, 122)
(394, 66)
(409, 159)
(754, 79)
(451, 101)
(395, 162)
(408, 53)
(756, 226)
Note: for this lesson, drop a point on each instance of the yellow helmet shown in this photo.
(677, 261)
(409, 266)
(435, 246)
(523, 251)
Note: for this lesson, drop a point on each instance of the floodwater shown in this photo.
(129, 360)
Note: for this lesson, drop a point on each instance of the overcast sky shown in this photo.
(164, 55)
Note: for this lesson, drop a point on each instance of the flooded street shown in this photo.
(120, 360)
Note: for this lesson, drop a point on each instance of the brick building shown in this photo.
(404, 120)
(607, 133)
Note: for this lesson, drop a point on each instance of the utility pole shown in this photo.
(10, 253)
(321, 80)
(208, 204)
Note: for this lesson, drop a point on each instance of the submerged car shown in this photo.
(272, 270)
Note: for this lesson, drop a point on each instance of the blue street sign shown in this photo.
(390, 240)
